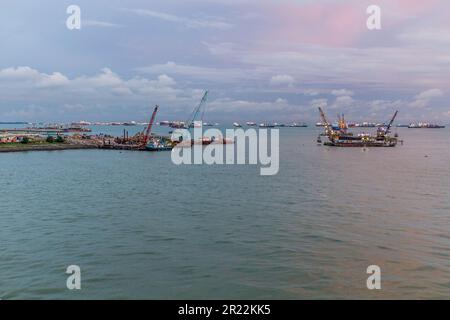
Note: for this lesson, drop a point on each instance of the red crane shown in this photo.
(149, 128)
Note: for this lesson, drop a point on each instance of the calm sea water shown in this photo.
(141, 227)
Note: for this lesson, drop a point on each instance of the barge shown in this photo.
(338, 136)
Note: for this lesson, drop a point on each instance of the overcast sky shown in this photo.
(261, 60)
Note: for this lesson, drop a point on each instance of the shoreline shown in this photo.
(45, 147)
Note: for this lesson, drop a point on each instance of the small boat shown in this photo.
(152, 147)
(251, 124)
(177, 125)
(319, 139)
(266, 125)
(159, 145)
(237, 125)
(196, 124)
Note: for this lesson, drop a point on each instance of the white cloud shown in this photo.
(19, 73)
(429, 94)
(342, 92)
(281, 101)
(26, 86)
(311, 92)
(282, 79)
(426, 36)
(319, 103)
(97, 23)
(221, 48)
(343, 102)
(188, 22)
(389, 67)
(194, 72)
(56, 79)
(28, 113)
(230, 105)
(423, 99)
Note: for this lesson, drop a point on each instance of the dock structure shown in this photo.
(142, 141)
(121, 147)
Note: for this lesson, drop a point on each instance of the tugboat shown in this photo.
(340, 137)
(159, 144)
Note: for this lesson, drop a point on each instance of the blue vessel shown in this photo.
(159, 144)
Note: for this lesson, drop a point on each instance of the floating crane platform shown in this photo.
(340, 137)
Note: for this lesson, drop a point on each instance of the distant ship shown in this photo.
(266, 125)
(81, 123)
(177, 125)
(367, 125)
(425, 125)
(251, 124)
(298, 125)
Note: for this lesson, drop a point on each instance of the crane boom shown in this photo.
(328, 128)
(149, 127)
(197, 109)
(391, 122)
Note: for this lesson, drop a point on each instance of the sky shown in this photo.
(260, 60)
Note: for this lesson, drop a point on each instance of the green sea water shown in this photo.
(141, 227)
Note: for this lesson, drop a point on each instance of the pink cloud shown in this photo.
(331, 25)
(413, 7)
(339, 24)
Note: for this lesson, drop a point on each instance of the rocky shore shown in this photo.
(17, 147)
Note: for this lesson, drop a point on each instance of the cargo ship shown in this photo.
(425, 125)
(340, 137)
